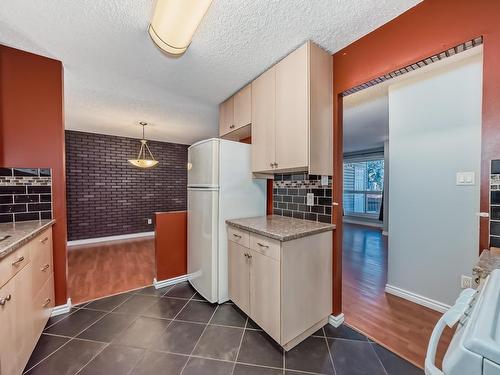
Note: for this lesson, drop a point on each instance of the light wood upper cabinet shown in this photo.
(236, 112)
(243, 107)
(292, 110)
(303, 115)
(263, 119)
(226, 116)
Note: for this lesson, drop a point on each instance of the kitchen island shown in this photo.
(280, 274)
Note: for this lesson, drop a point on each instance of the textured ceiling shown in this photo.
(115, 76)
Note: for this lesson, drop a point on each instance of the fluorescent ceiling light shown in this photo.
(174, 23)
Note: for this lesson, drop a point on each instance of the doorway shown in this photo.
(396, 287)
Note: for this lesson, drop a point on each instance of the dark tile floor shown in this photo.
(175, 331)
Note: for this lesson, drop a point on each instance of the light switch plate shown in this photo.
(310, 199)
(324, 180)
(466, 178)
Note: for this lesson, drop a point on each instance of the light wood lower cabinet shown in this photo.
(26, 301)
(285, 287)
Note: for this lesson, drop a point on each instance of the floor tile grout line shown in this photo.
(199, 339)
(47, 356)
(329, 352)
(93, 357)
(378, 358)
(239, 348)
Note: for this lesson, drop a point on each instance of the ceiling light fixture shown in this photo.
(142, 160)
(174, 23)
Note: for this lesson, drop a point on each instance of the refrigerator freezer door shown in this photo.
(203, 164)
(203, 241)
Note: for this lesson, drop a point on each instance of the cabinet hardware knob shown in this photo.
(3, 300)
(231, 126)
(245, 254)
(249, 256)
(19, 260)
(236, 235)
(275, 165)
(45, 267)
(262, 245)
(44, 240)
(272, 165)
(46, 303)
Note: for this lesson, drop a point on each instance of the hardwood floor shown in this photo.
(109, 268)
(399, 325)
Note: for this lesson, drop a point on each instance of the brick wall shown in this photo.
(107, 196)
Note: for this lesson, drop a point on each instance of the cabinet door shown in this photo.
(239, 276)
(265, 293)
(8, 351)
(292, 110)
(263, 121)
(226, 116)
(243, 107)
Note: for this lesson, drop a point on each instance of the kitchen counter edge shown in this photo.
(19, 237)
(322, 227)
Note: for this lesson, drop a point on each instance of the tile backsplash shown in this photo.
(25, 194)
(290, 194)
(495, 203)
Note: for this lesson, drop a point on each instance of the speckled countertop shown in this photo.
(280, 228)
(20, 233)
(488, 261)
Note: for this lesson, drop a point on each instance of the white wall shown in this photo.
(434, 132)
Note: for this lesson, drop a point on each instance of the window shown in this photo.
(363, 185)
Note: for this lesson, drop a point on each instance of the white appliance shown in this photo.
(475, 347)
(220, 187)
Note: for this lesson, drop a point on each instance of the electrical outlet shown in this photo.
(324, 180)
(466, 282)
(310, 199)
(150, 221)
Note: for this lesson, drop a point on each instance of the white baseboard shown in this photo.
(62, 309)
(110, 238)
(417, 298)
(337, 320)
(174, 280)
(385, 233)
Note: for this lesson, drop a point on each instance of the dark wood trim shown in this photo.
(338, 171)
(269, 205)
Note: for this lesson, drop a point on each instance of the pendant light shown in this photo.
(174, 23)
(142, 160)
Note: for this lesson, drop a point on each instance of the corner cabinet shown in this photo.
(285, 287)
(26, 301)
(292, 114)
(236, 113)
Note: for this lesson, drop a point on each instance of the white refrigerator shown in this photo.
(220, 187)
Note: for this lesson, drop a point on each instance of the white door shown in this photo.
(203, 241)
(203, 164)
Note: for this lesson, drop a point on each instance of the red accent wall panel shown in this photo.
(170, 244)
(430, 27)
(32, 133)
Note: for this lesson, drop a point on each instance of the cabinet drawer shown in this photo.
(239, 236)
(14, 263)
(265, 245)
(41, 259)
(43, 304)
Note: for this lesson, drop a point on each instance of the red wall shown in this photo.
(32, 133)
(428, 28)
(170, 244)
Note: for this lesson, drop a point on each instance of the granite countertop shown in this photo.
(281, 228)
(20, 233)
(488, 261)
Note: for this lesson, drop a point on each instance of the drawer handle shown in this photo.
(19, 260)
(4, 300)
(262, 245)
(46, 303)
(236, 235)
(44, 240)
(45, 267)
